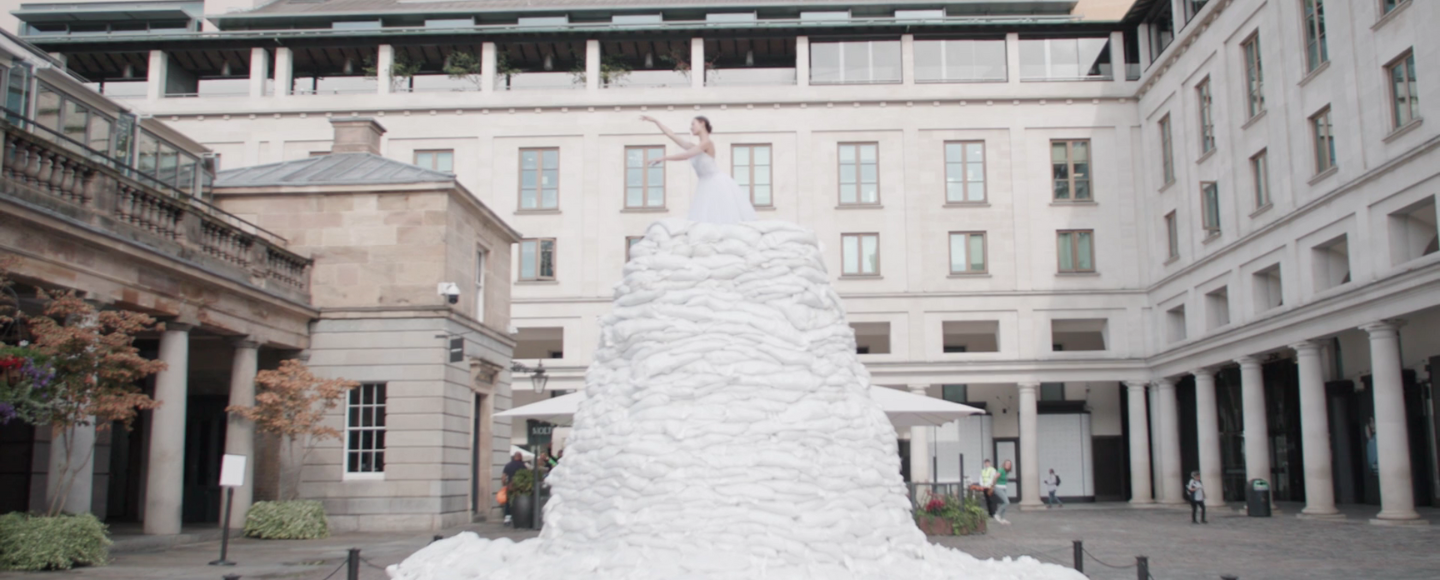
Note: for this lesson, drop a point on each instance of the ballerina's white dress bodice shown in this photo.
(718, 199)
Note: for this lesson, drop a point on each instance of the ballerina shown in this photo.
(718, 199)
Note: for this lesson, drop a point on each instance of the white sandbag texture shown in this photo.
(727, 433)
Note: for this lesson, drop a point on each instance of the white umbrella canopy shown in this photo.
(525, 455)
(904, 409)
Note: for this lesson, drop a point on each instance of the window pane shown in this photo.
(868, 153)
(445, 161)
(527, 260)
(762, 175)
(954, 152)
(1066, 253)
(867, 173)
(547, 259)
(762, 195)
(549, 199)
(958, 254)
(47, 108)
(847, 153)
(1084, 251)
(977, 252)
(634, 157)
(551, 158)
(77, 118)
(847, 193)
(869, 193)
(855, 62)
(850, 248)
(762, 156)
(529, 159)
(885, 59)
(100, 128)
(656, 197)
(825, 62)
(870, 247)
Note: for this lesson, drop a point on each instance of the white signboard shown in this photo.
(232, 471)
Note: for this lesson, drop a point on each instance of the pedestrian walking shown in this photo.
(1052, 485)
(988, 474)
(1002, 492)
(1196, 492)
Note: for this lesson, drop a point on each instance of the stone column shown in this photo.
(155, 77)
(1029, 446)
(1117, 66)
(284, 71)
(1139, 444)
(907, 62)
(1257, 425)
(1207, 427)
(920, 446)
(1171, 479)
(1012, 57)
(1397, 496)
(259, 71)
(384, 68)
(1157, 446)
(240, 432)
(489, 60)
(802, 61)
(592, 65)
(165, 474)
(1314, 433)
(697, 63)
(78, 462)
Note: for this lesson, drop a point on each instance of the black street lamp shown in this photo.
(538, 378)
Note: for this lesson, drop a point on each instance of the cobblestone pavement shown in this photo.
(1278, 548)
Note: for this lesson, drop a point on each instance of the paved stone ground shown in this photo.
(1277, 548)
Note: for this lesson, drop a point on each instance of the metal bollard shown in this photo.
(352, 565)
(437, 538)
(1142, 568)
(1079, 556)
(231, 577)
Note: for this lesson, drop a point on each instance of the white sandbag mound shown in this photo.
(728, 433)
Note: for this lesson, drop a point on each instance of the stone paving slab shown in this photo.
(1277, 548)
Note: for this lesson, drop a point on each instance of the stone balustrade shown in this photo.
(43, 169)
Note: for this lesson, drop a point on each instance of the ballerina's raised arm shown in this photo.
(690, 149)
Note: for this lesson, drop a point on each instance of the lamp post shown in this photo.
(538, 379)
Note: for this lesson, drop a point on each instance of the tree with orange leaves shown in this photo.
(292, 402)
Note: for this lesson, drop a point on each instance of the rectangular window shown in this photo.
(1207, 116)
(1210, 207)
(1167, 150)
(1387, 6)
(1316, 52)
(955, 393)
(964, 171)
(537, 259)
(1076, 251)
(442, 160)
(859, 173)
(365, 429)
(644, 183)
(47, 107)
(1065, 59)
(1161, 23)
(860, 254)
(74, 120)
(1260, 172)
(967, 253)
(959, 61)
(540, 178)
(750, 164)
(1254, 78)
(1070, 161)
(1193, 7)
(860, 62)
(480, 258)
(630, 242)
(1052, 391)
(1323, 133)
(1405, 98)
(1172, 235)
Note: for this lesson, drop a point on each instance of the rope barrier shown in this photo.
(371, 564)
(1104, 563)
(336, 570)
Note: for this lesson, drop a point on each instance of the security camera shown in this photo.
(450, 291)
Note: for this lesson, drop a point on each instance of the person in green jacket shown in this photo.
(1002, 492)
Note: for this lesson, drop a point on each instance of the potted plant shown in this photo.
(949, 515)
(522, 499)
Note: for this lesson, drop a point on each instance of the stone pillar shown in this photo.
(1012, 57)
(79, 462)
(920, 459)
(384, 68)
(1157, 446)
(1314, 433)
(697, 63)
(1172, 481)
(1257, 425)
(907, 66)
(155, 77)
(259, 71)
(240, 432)
(1207, 427)
(1142, 34)
(1397, 496)
(592, 65)
(802, 61)
(489, 60)
(284, 71)
(1139, 444)
(165, 474)
(1029, 446)
(1117, 65)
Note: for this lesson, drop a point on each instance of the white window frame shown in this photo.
(969, 238)
(359, 393)
(859, 256)
(1254, 76)
(964, 163)
(1402, 116)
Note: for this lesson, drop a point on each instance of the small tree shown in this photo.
(465, 65)
(400, 70)
(292, 403)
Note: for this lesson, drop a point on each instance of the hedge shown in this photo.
(287, 520)
(29, 542)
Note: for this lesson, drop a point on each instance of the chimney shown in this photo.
(356, 135)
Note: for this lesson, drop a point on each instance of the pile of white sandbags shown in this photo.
(728, 432)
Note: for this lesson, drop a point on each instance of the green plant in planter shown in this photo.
(966, 516)
(52, 543)
(613, 71)
(522, 483)
(287, 520)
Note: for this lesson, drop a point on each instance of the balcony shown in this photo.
(44, 171)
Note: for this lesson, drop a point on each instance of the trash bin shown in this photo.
(1257, 498)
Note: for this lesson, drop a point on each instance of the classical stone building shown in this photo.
(1174, 237)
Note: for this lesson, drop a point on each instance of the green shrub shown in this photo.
(52, 543)
(287, 520)
(522, 483)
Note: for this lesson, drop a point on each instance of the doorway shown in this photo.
(480, 453)
(1009, 450)
(204, 447)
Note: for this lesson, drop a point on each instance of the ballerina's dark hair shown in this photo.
(702, 119)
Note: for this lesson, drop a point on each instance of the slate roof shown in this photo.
(332, 169)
